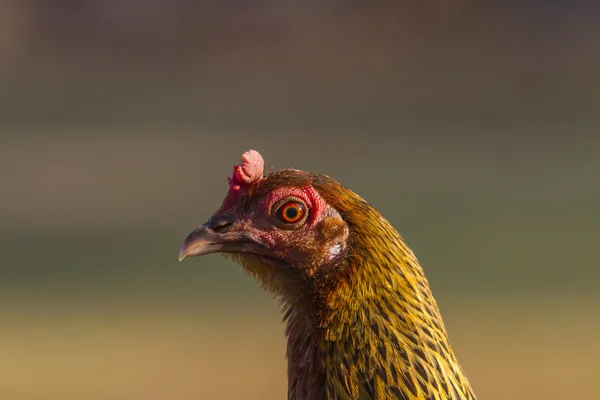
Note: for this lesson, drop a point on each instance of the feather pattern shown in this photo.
(361, 320)
(370, 328)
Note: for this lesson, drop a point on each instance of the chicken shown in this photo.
(361, 320)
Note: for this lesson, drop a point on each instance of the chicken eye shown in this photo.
(291, 212)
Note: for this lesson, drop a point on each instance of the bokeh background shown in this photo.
(473, 126)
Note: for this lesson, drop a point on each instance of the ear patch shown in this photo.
(332, 227)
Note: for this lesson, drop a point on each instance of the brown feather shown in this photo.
(366, 325)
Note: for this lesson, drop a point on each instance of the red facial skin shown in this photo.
(312, 243)
(306, 245)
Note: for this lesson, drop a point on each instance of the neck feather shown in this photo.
(372, 328)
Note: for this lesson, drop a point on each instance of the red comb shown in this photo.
(244, 175)
(249, 171)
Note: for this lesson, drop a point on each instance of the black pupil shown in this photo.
(292, 212)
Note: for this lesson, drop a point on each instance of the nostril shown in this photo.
(221, 225)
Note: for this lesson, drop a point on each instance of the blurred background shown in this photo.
(473, 126)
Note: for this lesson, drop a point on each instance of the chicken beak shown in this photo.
(218, 235)
(201, 241)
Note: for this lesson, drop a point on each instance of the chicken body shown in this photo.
(361, 320)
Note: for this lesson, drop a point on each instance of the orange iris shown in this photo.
(291, 212)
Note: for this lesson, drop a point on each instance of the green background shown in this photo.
(473, 129)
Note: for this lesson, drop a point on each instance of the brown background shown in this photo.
(472, 127)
